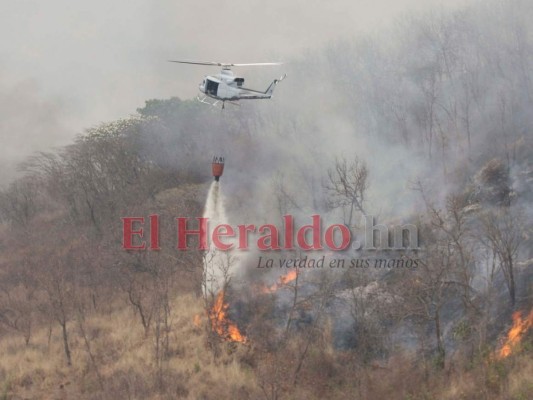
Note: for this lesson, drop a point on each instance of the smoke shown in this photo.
(429, 99)
(395, 101)
(99, 61)
(29, 122)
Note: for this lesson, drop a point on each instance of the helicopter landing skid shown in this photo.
(215, 103)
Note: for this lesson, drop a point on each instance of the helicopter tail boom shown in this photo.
(267, 94)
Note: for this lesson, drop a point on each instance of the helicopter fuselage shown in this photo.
(224, 86)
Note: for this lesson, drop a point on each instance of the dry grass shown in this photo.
(126, 363)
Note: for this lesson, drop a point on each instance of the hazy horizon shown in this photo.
(66, 67)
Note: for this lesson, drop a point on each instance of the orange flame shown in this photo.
(220, 323)
(282, 281)
(519, 329)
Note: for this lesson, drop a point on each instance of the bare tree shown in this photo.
(59, 290)
(347, 185)
(370, 306)
(20, 202)
(504, 233)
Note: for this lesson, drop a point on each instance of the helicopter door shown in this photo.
(211, 88)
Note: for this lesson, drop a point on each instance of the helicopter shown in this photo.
(227, 87)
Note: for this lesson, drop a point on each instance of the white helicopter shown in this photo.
(227, 87)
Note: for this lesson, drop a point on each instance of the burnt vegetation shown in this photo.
(80, 317)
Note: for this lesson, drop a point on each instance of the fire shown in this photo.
(282, 281)
(220, 323)
(519, 329)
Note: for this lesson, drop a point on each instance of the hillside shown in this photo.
(425, 127)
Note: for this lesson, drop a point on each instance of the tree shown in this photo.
(347, 185)
(20, 202)
(504, 233)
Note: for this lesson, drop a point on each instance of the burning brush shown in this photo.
(218, 313)
(282, 281)
(515, 334)
(221, 324)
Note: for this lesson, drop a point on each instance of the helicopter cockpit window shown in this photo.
(212, 87)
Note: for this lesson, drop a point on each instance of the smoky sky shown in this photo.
(66, 66)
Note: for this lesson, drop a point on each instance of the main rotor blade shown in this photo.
(255, 64)
(197, 62)
(219, 64)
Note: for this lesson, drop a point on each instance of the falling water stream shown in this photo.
(217, 263)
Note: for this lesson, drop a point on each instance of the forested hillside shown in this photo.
(428, 123)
